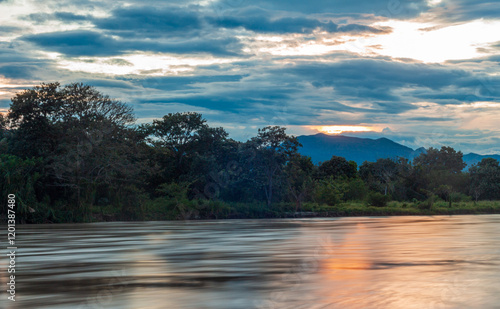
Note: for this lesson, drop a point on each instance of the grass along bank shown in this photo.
(162, 209)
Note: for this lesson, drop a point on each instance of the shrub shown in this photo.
(428, 203)
(460, 197)
(378, 199)
(329, 191)
(355, 190)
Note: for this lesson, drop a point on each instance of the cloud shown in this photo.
(369, 79)
(17, 63)
(228, 73)
(262, 21)
(77, 43)
(91, 43)
(398, 9)
(466, 10)
(10, 29)
(40, 18)
(150, 21)
(185, 82)
(431, 119)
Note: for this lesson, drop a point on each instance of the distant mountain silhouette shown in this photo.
(321, 147)
(473, 158)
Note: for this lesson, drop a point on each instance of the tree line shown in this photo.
(70, 153)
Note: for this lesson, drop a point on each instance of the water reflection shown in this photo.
(395, 262)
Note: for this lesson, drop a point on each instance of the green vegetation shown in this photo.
(72, 154)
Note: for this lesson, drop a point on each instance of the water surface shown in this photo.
(393, 262)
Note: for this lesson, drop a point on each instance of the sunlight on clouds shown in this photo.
(14, 13)
(8, 88)
(479, 115)
(408, 40)
(414, 40)
(434, 2)
(473, 116)
(143, 64)
(480, 105)
(338, 129)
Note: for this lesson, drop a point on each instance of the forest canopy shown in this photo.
(72, 154)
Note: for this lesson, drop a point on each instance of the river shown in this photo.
(357, 262)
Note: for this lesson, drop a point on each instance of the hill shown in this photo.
(321, 147)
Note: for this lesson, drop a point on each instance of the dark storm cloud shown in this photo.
(92, 43)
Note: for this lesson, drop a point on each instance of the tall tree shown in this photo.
(177, 132)
(274, 148)
(186, 145)
(338, 167)
(441, 171)
(299, 172)
(485, 179)
(446, 159)
(83, 136)
(380, 175)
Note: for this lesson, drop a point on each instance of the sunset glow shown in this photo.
(413, 67)
(341, 129)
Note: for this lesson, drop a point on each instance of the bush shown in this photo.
(428, 203)
(329, 191)
(378, 199)
(356, 190)
(460, 197)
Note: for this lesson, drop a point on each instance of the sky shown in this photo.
(420, 72)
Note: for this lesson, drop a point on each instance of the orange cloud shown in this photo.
(338, 129)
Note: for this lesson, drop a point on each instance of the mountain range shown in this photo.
(321, 147)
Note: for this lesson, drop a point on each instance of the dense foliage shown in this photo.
(72, 154)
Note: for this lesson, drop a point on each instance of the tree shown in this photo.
(18, 176)
(3, 134)
(380, 175)
(84, 138)
(299, 171)
(485, 179)
(187, 148)
(441, 171)
(3, 125)
(338, 167)
(446, 159)
(274, 148)
(177, 132)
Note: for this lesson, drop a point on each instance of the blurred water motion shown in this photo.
(394, 262)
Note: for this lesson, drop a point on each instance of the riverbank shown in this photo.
(219, 210)
(169, 210)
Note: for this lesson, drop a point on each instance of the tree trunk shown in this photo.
(270, 191)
